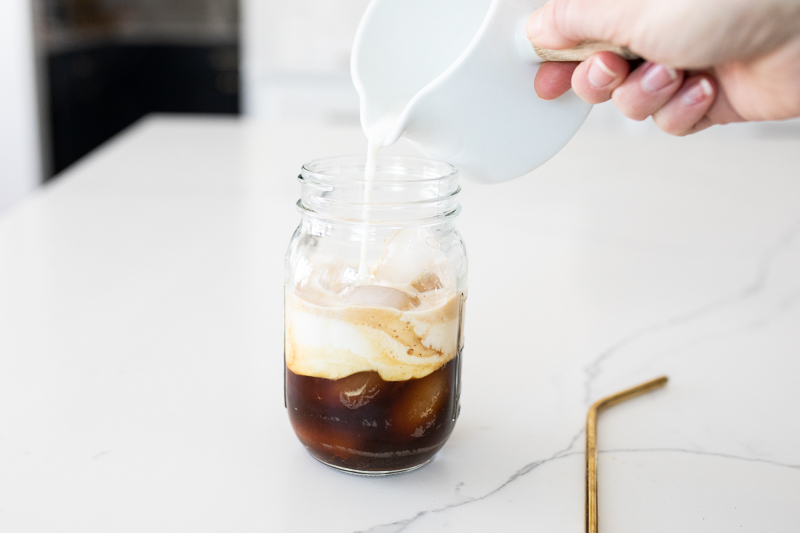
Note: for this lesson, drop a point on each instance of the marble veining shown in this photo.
(750, 290)
(400, 525)
(700, 452)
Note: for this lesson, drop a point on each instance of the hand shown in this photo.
(708, 61)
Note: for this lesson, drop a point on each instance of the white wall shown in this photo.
(296, 57)
(20, 170)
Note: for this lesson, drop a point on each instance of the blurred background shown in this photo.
(77, 72)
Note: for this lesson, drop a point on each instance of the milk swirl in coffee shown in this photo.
(372, 348)
(400, 328)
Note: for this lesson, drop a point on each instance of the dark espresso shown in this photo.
(365, 424)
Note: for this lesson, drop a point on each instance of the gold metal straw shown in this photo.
(591, 443)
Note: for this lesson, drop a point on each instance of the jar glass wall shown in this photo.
(374, 310)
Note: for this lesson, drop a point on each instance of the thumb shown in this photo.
(564, 23)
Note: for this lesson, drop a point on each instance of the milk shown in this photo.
(377, 135)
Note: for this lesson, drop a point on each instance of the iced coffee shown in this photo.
(373, 359)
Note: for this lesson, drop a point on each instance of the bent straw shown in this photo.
(591, 443)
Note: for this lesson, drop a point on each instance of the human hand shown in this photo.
(708, 61)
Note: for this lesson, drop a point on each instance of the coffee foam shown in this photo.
(336, 341)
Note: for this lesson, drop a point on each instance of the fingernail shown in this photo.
(599, 74)
(657, 77)
(698, 93)
(534, 25)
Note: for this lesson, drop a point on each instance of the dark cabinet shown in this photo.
(98, 90)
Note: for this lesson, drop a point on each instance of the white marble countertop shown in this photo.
(141, 342)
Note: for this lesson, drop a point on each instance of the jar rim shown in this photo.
(407, 190)
(358, 161)
(357, 221)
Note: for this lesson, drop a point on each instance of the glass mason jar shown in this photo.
(374, 309)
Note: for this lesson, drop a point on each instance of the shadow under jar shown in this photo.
(374, 313)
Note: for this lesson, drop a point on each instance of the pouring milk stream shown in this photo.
(376, 136)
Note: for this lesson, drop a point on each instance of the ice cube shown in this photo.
(357, 390)
(427, 281)
(405, 254)
(379, 296)
(336, 276)
(421, 406)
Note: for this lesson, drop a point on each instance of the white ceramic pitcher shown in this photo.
(458, 75)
